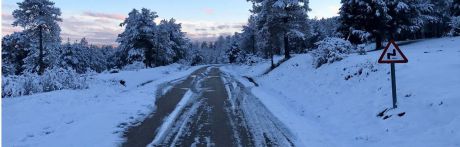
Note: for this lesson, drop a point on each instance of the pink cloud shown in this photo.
(7, 28)
(102, 29)
(105, 15)
(7, 16)
(208, 11)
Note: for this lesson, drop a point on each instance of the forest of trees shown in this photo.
(38, 46)
(275, 27)
(148, 43)
(282, 27)
(36, 60)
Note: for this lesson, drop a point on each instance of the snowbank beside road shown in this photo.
(91, 117)
(337, 104)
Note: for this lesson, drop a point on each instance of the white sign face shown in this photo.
(392, 54)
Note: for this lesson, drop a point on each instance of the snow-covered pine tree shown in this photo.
(137, 42)
(14, 51)
(40, 18)
(248, 40)
(204, 45)
(253, 32)
(193, 56)
(455, 19)
(347, 14)
(258, 24)
(281, 20)
(109, 54)
(212, 45)
(220, 46)
(83, 57)
(441, 11)
(178, 41)
(128, 53)
(297, 28)
(264, 43)
(98, 59)
(67, 57)
(164, 53)
(407, 15)
(455, 9)
(455, 26)
(197, 58)
(146, 40)
(84, 42)
(363, 20)
(234, 52)
(322, 28)
(76, 56)
(221, 42)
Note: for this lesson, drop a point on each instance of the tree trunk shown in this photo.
(378, 42)
(273, 63)
(394, 37)
(254, 45)
(41, 64)
(287, 50)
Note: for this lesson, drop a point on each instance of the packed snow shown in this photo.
(96, 116)
(338, 104)
(170, 119)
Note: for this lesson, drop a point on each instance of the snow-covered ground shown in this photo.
(338, 104)
(91, 117)
(334, 105)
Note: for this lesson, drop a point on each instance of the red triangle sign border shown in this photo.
(397, 49)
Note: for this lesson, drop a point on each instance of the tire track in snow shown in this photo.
(145, 132)
(219, 112)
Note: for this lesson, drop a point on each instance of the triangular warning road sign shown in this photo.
(392, 54)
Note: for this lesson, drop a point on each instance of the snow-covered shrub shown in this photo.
(361, 49)
(360, 71)
(31, 84)
(363, 35)
(455, 26)
(134, 66)
(58, 78)
(197, 59)
(330, 50)
(19, 85)
(233, 53)
(52, 79)
(251, 59)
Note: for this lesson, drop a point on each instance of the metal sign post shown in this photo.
(395, 56)
(393, 85)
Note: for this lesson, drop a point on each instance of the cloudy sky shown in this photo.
(98, 20)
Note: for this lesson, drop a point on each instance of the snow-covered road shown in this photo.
(209, 108)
